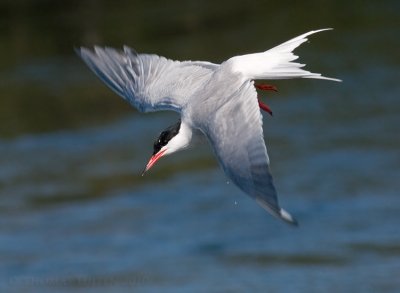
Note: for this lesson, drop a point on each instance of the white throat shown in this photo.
(179, 141)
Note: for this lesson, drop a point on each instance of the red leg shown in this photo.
(265, 107)
(266, 87)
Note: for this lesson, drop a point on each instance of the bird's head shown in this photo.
(171, 140)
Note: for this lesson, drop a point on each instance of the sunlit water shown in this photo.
(77, 215)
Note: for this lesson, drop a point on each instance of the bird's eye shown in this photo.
(163, 139)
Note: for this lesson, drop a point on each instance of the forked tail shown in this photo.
(276, 63)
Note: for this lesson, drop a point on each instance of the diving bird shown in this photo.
(219, 100)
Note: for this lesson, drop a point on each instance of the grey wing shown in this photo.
(148, 82)
(236, 135)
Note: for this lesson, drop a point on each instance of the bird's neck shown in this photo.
(185, 135)
(181, 140)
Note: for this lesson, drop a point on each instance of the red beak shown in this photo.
(153, 160)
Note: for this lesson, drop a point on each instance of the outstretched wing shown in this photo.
(236, 135)
(148, 82)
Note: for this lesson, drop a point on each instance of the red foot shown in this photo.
(266, 87)
(265, 107)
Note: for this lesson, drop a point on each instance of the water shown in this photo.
(77, 216)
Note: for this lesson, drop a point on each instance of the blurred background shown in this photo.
(77, 216)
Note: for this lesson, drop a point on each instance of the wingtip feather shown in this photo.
(288, 218)
(277, 212)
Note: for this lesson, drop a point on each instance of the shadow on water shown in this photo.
(288, 260)
(77, 215)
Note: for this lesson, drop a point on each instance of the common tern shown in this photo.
(219, 100)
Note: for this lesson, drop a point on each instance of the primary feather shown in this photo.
(148, 82)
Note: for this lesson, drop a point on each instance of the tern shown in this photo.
(219, 100)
